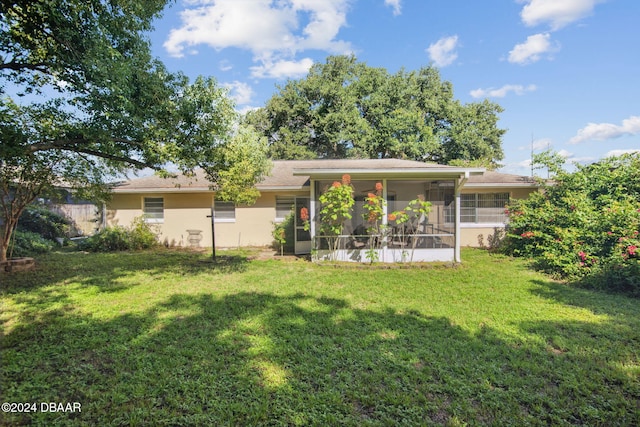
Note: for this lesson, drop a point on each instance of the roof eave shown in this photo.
(161, 190)
(435, 173)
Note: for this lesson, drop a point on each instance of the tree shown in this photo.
(344, 108)
(97, 104)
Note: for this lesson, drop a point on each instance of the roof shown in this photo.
(295, 175)
(499, 179)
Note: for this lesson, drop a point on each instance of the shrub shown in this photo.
(28, 243)
(283, 234)
(585, 226)
(139, 235)
(38, 219)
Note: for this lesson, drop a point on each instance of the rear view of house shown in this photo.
(465, 204)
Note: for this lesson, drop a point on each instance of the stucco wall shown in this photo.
(188, 211)
(253, 224)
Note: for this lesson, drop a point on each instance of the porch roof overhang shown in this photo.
(431, 173)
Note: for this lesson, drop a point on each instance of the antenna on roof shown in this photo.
(531, 154)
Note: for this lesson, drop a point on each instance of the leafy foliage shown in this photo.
(29, 243)
(114, 107)
(38, 219)
(585, 226)
(336, 206)
(284, 234)
(344, 108)
(140, 235)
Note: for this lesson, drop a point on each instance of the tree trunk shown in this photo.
(9, 226)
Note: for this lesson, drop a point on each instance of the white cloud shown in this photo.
(246, 109)
(538, 144)
(225, 65)
(606, 131)
(502, 92)
(615, 153)
(442, 52)
(395, 4)
(565, 154)
(557, 13)
(542, 144)
(524, 163)
(240, 92)
(282, 69)
(532, 49)
(272, 30)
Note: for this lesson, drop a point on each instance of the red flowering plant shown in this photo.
(304, 217)
(373, 207)
(336, 205)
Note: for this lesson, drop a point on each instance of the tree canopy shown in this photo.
(344, 108)
(90, 102)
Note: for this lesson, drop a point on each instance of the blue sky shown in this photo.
(567, 72)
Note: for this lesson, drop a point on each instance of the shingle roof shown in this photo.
(496, 179)
(290, 174)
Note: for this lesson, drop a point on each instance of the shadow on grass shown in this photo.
(262, 359)
(619, 307)
(105, 270)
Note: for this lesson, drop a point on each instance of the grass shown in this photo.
(165, 338)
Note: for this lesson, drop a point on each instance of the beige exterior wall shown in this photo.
(253, 224)
(188, 211)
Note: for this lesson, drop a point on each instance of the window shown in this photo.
(153, 209)
(224, 211)
(484, 208)
(284, 206)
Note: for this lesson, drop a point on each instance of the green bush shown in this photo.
(284, 234)
(28, 243)
(140, 235)
(38, 219)
(585, 226)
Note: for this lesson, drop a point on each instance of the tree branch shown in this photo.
(113, 157)
(20, 66)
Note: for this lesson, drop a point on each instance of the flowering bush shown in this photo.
(585, 226)
(336, 205)
(373, 213)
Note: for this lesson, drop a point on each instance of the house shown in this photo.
(181, 208)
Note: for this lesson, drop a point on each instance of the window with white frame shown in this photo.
(224, 211)
(483, 208)
(153, 209)
(284, 206)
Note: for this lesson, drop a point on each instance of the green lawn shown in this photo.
(163, 338)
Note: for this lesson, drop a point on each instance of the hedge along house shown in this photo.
(465, 203)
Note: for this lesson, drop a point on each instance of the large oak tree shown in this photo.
(83, 101)
(345, 108)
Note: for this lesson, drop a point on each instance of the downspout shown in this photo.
(459, 184)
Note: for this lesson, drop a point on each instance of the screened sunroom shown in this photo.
(404, 227)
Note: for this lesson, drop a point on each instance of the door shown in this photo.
(302, 237)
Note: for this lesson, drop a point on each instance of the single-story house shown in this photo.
(465, 203)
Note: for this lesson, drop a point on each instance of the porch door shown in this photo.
(302, 237)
